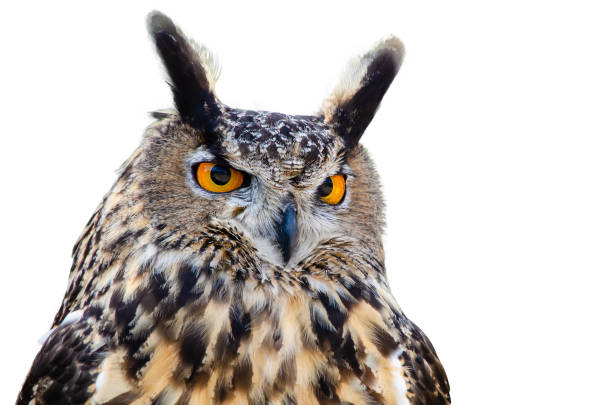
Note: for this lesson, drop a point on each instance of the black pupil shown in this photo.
(326, 188)
(220, 175)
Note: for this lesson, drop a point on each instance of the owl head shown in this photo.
(286, 185)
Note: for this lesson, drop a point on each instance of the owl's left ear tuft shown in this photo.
(354, 102)
(192, 71)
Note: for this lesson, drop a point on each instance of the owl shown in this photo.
(238, 259)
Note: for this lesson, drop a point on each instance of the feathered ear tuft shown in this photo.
(355, 100)
(192, 72)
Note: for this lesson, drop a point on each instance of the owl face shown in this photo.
(283, 184)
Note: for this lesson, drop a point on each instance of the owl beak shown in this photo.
(286, 231)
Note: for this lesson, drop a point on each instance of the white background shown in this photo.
(494, 147)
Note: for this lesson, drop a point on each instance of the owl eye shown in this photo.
(217, 178)
(332, 190)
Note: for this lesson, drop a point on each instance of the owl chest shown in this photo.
(280, 349)
(200, 333)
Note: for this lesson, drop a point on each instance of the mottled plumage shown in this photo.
(262, 295)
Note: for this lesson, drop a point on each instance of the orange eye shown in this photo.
(332, 190)
(217, 178)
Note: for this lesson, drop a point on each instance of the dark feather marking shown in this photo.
(384, 342)
(304, 283)
(88, 247)
(206, 244)
(93, 279)
(398, 319)
(187, 278)
(106, 329)
(177, 243)
(121, 240)
(240, 275)
(124, 315)
(165, 309)
(156, 290)
(361, 291)
(243, 375)
(222, 390)
(93, 311)
(193, 345)
(346, 298)
(326, 334)
(346, 355)
(240, 323)
(325, 390)
(136, 362)
(116, 298)
(226, 348)
(336, 316)
(277, 338)
(287, 374)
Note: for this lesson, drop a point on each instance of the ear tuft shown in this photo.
(190, 70)
(353, 103)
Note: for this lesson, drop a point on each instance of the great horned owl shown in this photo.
(238, 260)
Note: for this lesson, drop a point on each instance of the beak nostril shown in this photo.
(286, 231)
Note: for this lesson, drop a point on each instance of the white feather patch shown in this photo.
(399, 384)
(111, 382)
(71, 318)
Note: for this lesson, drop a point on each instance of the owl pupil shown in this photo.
(220, 175)
(326, 188)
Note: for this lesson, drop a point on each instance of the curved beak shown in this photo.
(286, 231)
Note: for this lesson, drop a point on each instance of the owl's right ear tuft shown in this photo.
(191, 77)
(353, 103)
